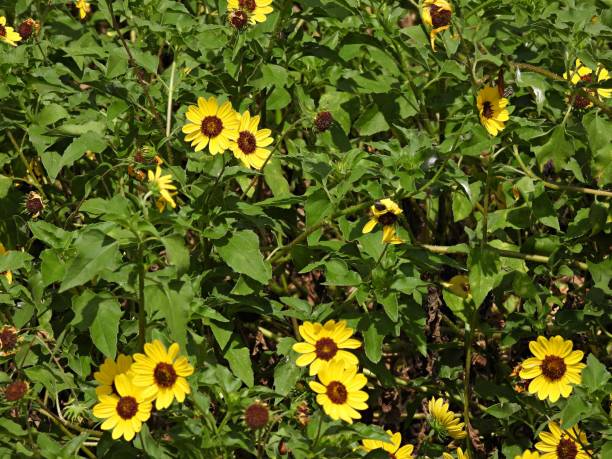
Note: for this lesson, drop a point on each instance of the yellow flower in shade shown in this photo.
(444, 421)
(256, 10)
(460, 455)
(554, 368)
(7, 274)
(9, 340)
(492, 110)
(249, 146)
(338, 391)
(162, 184)
(83, 7)
(392, 447)
(562, 444)
(324, 344)
(162, 373)
(123, 413)
(528, 455)
(384, 212)
(459, 285)
(109, 370)
(7, 34)
(582, 73)
(437, 15)
(212, 125)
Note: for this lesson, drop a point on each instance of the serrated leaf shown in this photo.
(241, 253)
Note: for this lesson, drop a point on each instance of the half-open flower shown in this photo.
(437, 15)
(386, 213)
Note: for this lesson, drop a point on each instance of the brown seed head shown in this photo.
(323, 121)
(256, 415)
(15, 390)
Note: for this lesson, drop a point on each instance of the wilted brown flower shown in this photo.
(15, 390)
(28, 28)
(323, 121)
(238, 19)
(9, 338)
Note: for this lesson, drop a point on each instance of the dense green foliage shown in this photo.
(247, 256)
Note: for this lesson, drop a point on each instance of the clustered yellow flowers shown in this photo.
(584, 74)
(253, 10)
(219, 127)
(129, 386)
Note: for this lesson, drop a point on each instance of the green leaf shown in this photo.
(371, 122)
(178, 254)
(338, 273)
(595, 375)
(95, 253)
(5, 185)
(239, 359)
(105, 327)
(51, 114)
(573, 411)
(503, 410)
(484, 273)
(12, 427)
(117, 63)
(241, 253)
(89, 141)
(286, 375)
(558, 150)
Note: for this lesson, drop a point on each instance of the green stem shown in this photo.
(466, 377)
(316, 440)
(170, 95)
(482, 6)
(558, 186)
(142, 318)
(485, 213)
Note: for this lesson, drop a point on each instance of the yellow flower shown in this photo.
(384, 212)
(162, 374)
(9, 339)
(255, 9)
(324, 344)
(528, 455)
(250, 142)
(83, 7)
(162, 184)
(460, 455)
(459, 285)
(7, 34)
(554, 368)
(491, 108)
(7, 274)
(585, 74)
(562, 444)
(109, 370)
(212, 125)
(338, 392)
(123, 413)
(437, 15)
(445, 421)
(392, 447)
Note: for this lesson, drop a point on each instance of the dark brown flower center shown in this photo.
(211, 126)
(8, 339)
(440, 17)
(337, 393)
(326, 348)
(379, 206)
(567, 449)
(127, 407)
(164, 374)
(553, 367)
(256, 415)
(387, 219)
(238, 19)
(588, 78)
(248, 4)
(247, 142)
(2, 31)
(487, 109)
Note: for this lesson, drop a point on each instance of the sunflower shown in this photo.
(109, 370)
(7, 274)
(250, 142)
(491, 108)
(528, 455)
(162, 374)
(562, 444)
(123, 413)
(554, 368)
(212, 125)
(9, 340)
(7, 34)
(437, 15)
(392, 447)
(460, 455)
(256, 10)
(83, 7)
(384, 212)
(338, 392)
(444, 421)
(324, 344)
(162, 184)
(582, 73)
